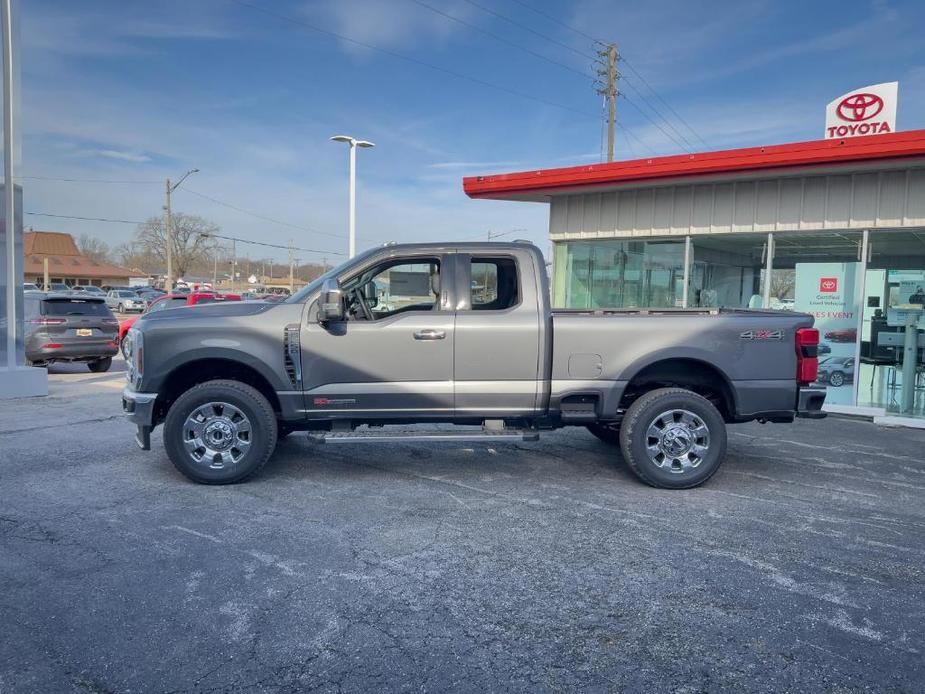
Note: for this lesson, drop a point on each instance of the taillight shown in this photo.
(47, 321)
(52, 345)
(807, 347)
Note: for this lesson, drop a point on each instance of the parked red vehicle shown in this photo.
(843, 335)
(173, 301)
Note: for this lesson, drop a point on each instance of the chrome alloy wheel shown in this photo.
(217, 434)
(677, 441)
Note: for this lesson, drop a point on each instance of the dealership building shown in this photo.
(834, 227)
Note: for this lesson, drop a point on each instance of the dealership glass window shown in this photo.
(618, 273)
(727, 270)
(895, 274)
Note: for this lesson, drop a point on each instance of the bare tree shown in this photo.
(783, 283)
(93, 248)
(192, 244)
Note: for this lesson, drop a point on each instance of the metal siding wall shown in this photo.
(866, 190)
(744, 206)
(767, 203)
(591, 220)
(791, 203)
(626, 212)
(888, 199)
(915, 199)
(838, 202)
(892, 198)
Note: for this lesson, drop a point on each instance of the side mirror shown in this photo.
(331, 302)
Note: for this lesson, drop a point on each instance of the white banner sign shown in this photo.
(865, 111)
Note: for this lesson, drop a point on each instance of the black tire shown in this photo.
(120, 308)
(100, 365)
(671, 473)
(251, 405)
(837, 379)
(608, 433)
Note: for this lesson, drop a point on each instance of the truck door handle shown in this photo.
(430, 334)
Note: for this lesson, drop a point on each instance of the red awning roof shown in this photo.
(545, 182)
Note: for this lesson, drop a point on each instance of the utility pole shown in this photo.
(214, 271)
(291, 284)
(168, 227)
(234, 262)
(168, 238)
(608, 89)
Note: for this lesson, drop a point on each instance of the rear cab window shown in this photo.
(493, 284)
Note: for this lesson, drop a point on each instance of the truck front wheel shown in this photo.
(673, 438)
(220, 432)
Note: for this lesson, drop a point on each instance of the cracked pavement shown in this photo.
(452, 567)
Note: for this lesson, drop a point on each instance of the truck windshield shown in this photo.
(315, 284)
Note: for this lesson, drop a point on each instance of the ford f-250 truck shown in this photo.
(463, 334)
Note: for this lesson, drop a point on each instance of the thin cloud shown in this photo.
(459, 165)
(122, 156)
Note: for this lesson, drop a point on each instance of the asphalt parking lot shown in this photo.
(408, 567)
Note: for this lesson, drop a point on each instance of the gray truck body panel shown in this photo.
(519, 362)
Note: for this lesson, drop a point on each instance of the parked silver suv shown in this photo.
(125, 300)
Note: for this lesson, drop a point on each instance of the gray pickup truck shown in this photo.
(460, 334)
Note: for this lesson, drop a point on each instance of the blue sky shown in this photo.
(136, 91)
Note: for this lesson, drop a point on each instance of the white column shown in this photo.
(861, 300)
(687, 270)
(16, 379)
(353, 201)
(769, 269)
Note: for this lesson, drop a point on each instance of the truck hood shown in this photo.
(229, 309)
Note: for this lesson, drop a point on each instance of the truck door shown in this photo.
(496, 365)
(393, 356)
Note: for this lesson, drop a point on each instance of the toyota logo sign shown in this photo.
(859, 107)
(866, 111)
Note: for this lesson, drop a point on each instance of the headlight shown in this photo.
(134, 356)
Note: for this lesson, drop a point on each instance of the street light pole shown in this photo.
(351, 215)
(168, 228)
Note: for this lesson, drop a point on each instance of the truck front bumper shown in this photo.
(810, 401)
(139, 408)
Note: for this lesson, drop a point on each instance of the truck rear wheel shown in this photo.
(220, 432)
(673, 438)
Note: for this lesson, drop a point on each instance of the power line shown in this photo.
(83, 180)
(406, 58)
(271, 245)
(257, 215)
(84, 219)
(655, 123)
(499, 38)
(667, 105)
(583, 34)
(556, 20)
(668, 123)
(528, 29)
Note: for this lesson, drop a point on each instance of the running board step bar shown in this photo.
(422, 435)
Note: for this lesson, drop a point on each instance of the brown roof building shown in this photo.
(65, 262)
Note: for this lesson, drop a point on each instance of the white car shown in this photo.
(124, 300)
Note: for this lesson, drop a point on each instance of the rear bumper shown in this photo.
(810, 401)
(139, 408)
(74, 351)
